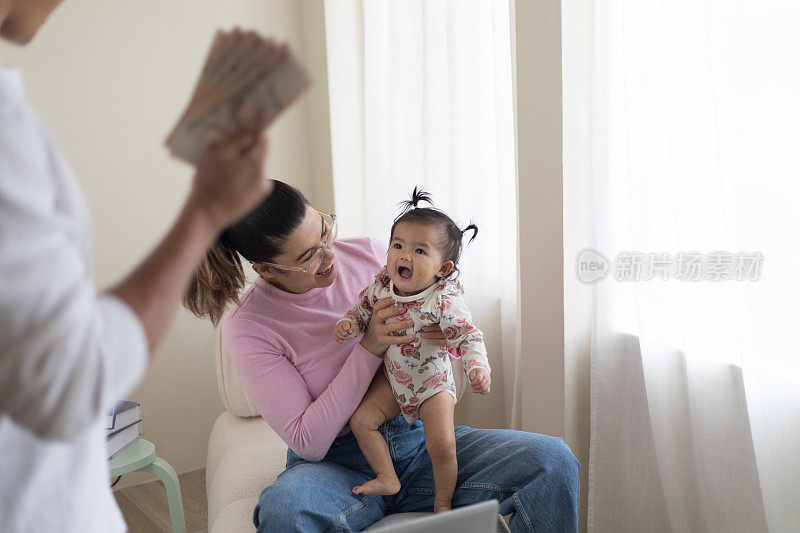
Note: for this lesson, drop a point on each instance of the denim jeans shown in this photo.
(534, 477)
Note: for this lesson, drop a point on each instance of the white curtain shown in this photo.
(439, 114)
(695, 422)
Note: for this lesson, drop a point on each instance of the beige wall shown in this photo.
(318, 121)
(554, 165)
(539, 167)
(577, 28)
(109, 79)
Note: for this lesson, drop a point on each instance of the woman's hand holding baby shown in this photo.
(343, 330)
(378, 336)
(480, 381)
(435, 336)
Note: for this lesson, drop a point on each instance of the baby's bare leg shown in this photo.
(378, 406)
(436, 414)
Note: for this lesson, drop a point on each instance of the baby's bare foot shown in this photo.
(382, 485)
(440, 506)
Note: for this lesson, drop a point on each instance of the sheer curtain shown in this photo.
(439, 114)
(695, 422)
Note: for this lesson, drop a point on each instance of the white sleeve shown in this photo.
(66, 353)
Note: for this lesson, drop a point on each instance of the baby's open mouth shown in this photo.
(404, 272)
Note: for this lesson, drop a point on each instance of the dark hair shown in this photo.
(259, 238)
(452, 242)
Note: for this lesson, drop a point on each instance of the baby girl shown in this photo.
(418, 380)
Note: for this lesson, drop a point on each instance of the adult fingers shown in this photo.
(436, 341)
(255, 147)
(249, 145)
(382, 304)
(249, 120)
(237, 144)
(432, 334)
(216, 142)
(404, 339)
(389, 312)
(398, 326)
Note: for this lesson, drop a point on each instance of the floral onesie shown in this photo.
(418, 370)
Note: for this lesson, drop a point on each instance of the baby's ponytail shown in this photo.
(472, 227)
(216, 284)
(416, 197)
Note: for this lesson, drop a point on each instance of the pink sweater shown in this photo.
(304, 383)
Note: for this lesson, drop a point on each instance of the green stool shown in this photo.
(141, 456)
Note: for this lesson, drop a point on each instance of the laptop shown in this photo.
(476, 518)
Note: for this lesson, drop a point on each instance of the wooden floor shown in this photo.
(145, 506)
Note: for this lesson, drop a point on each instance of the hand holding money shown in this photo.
(246, 82)
(230, 180)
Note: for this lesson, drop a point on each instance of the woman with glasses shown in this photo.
(306, 385)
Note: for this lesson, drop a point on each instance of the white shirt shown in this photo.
(66, 353)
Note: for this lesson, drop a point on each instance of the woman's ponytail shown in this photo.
(216, 283)
(258, 238)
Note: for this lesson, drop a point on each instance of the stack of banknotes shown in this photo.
(246, 82)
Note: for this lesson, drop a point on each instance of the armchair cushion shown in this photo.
(244, 456)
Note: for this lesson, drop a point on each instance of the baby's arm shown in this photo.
(456, 323)
(357, 318)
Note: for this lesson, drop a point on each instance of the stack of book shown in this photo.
(122, 427)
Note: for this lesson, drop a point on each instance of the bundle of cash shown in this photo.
(246, 82)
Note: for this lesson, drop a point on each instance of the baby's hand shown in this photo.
(343, 330)
(480, 381)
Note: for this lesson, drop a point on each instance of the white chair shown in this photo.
(245, 455)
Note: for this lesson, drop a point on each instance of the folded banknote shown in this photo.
(246, 82)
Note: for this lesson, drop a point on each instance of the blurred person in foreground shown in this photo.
(68, 353)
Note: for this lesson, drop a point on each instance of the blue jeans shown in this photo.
(534, 477)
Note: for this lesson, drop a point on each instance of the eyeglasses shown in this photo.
(329, 232)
